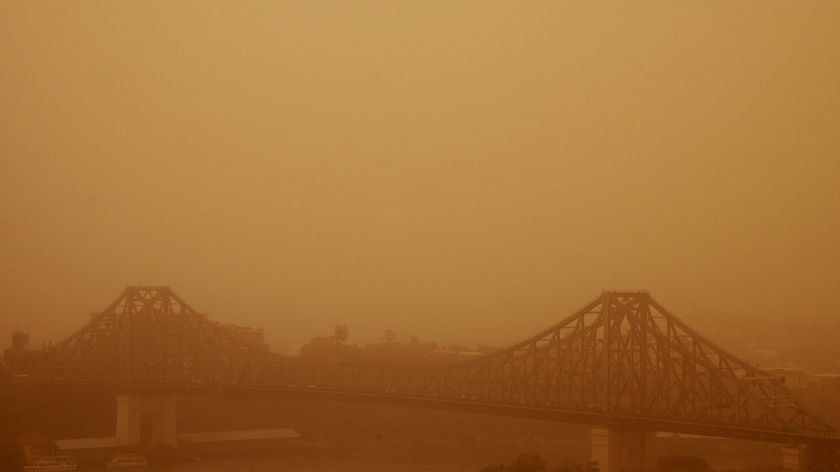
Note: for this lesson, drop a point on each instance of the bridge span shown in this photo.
(622, 364)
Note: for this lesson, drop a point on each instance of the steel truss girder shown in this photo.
(622, 356)
(149, 335)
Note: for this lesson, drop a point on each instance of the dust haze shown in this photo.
(456, 171)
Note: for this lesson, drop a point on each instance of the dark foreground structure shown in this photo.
(622, 364)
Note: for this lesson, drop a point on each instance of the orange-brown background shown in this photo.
(461, 171)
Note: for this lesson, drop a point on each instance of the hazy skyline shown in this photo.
(458, 171)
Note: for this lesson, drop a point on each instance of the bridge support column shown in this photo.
(795, 457)
(622, 449)
(147, 420)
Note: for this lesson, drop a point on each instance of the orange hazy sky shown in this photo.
(461, 171)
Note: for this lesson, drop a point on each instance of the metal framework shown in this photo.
(621, 360)
(150, 336)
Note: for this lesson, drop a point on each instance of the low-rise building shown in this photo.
(237, 442)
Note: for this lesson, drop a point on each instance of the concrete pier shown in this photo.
(146, 420)
(623, 449)
(795, 457)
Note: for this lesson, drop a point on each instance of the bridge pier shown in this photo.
(146, 420)
(623, 449)
(794, 457)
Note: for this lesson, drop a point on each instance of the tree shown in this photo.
(528, 463)
(523, 463)
(496, 468)
(682, 464)
(591, 466)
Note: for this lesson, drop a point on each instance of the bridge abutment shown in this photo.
(618, 450)
(146, 420)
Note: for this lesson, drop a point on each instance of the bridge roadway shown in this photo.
(622, 364)
(593, 418)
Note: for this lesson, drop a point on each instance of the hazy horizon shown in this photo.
(458, 171)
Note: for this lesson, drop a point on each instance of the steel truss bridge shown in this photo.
(620, 361)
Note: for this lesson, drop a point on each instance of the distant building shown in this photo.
(89, 452)
(36, 445)
(212, 443)
(827, 379)
(22, 359)
(794, 378)
(448, 351)
(87, 445)
(251, 337)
